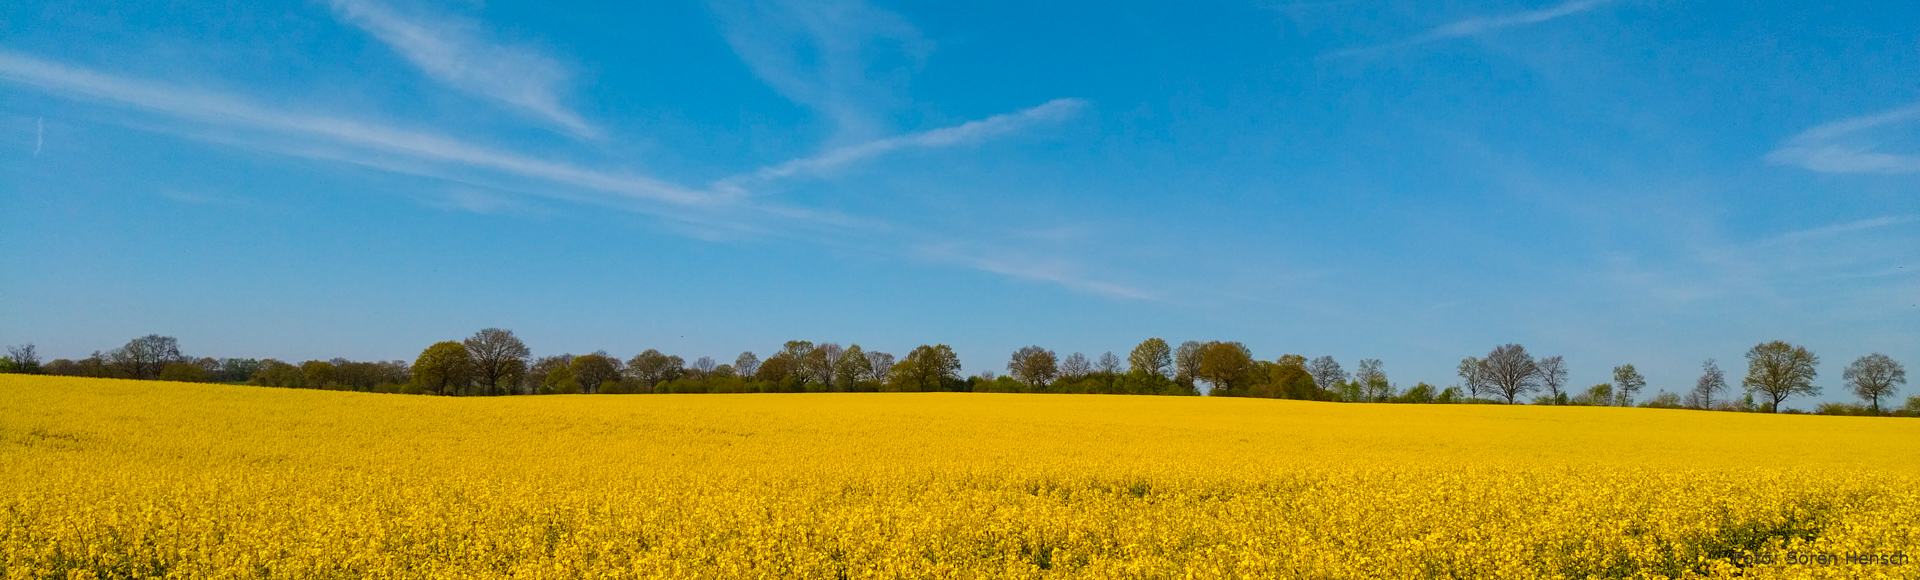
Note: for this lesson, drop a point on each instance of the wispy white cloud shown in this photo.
(1823, 264)
(1479, 25)
(1484, 24)
(1043, 270)
(964, 134)
(199, 197)
(1834, 230)
(230, 111)
(457, 52)
(1851, 146)
(842, 58)
(712, 213)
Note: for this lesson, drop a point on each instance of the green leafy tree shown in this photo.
(1378, 388)
(797, 352)
(1469, 371)
(1874, 376)
(1373, 381)
(1664, 400)
(776, 368)
(273, 373)
(1352, 391)
(593, 370)
(560, 381)
(1291, 380)
(185, 373)
(536, 377)
(1152, 356)
(1225, 365)
(1600, 395)
(1627, 382)
(1779, 370)
(1151, 384)
(239, 370)
(927, 368)
(852, 367)
(319, 374)
(444, 368)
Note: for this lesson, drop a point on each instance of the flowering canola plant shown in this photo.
(136, 479)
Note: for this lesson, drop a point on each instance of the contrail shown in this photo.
(39, 134)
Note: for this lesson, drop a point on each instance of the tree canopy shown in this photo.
(1780, 370)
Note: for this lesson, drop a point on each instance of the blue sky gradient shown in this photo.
(1646, 182)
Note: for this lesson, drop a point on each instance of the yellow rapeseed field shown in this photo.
(125, 479)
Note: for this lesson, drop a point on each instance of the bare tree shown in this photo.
(1712, 381)
(746, 364)
(1108, 363)
(1366, 374)
(1626, 382)
(1510, 372)
(1034, 366)
(1553, 376)
(142, 358)
(499, 359)
(1326, 372)
(878, 365)
(1075, 366)
(797, 351)
(816, 368)
(704, 364)
(1186, 361)
(1874, 376)
(1781, 370)
(26, 358)
(1372, 380)
(823, 360)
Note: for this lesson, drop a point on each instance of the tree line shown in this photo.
(494, 362)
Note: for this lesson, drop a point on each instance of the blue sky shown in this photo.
(1646, 182)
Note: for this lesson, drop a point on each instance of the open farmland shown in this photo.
(109, 478)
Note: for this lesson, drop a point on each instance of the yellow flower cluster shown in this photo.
(125, 479)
